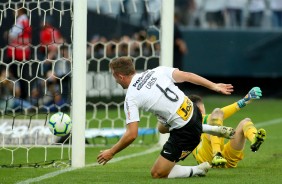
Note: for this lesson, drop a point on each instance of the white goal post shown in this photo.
(167, 25)
(79, 64)
(79, 82)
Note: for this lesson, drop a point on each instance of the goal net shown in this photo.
(37, 74)
(35, 80)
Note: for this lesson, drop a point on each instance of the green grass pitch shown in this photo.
(260, 167)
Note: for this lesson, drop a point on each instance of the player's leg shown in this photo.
(217, 143)
(179, 171)
(238, 142)
(247, 130)
(215, 125)
(164, 168)
(233, 150)
(220, 131)
(179, 145)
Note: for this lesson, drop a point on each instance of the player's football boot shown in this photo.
(218, 160)
(226, 132)
(203, 169)
(258, 139)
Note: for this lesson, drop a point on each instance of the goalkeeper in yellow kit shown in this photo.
(213, 149)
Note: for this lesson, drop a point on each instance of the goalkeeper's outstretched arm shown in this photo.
(254, 93)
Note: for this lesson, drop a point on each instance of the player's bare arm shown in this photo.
(128, 137)
(162, 129)
(181, 76)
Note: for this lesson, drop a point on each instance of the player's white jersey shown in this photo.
(154, 91)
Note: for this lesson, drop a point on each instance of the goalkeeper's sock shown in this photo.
(230, 110)
(249, 131)
(216, 144)
(179, 171)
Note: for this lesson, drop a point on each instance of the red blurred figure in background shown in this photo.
(19, 38)
(50, 38)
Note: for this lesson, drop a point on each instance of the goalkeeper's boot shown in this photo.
(218, 160)
(203, 169)
(258, 139)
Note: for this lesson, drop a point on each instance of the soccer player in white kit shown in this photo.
(154, 91)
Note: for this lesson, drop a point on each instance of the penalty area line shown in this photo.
(56, 173)
(268, 123)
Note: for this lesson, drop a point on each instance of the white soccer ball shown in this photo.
(60, 124)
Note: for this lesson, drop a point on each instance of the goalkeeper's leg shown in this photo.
(216, 118)
(247, 130)
(233, 150)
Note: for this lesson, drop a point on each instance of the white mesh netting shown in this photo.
(36, 71)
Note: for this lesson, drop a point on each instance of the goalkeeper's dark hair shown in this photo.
(123, 65)
(195, 99)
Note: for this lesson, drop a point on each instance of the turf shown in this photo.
(260, 167)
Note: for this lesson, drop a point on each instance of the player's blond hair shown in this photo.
(123, 65)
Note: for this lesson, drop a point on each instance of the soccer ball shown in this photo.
(60, 124)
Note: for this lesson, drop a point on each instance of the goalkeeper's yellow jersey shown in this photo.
(204, 152)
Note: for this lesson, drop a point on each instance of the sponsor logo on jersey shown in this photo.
(146, 78)
(151, 82)
(137, 81)
(140, 78)
(127, 108)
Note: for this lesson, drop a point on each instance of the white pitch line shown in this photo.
(268, 123)
(56, 173)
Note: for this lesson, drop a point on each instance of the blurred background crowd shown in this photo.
(230, 13)
(36, 57)
(203, 13)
